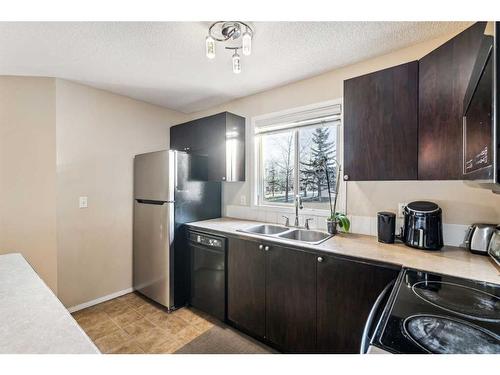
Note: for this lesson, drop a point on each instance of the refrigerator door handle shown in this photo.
(150, 201)
(173, 172)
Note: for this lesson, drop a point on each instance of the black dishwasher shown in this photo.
(208, 273)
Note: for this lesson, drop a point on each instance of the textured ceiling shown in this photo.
(164, 63)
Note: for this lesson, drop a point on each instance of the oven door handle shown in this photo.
(365, 341)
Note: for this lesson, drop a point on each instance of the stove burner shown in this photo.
(442, 335)
(461, 300)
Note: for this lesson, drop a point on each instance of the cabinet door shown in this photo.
(189, 137)
(179, 137)
(235, 147)
(380, 125)
(246, 285)
(443, 78)
(220, 138)
(346, 292)
(291, 299)
(212, 135)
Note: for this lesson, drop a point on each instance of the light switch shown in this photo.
(83, 202)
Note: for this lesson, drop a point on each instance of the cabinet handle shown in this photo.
(346, 177)
(261, 247)
(320, 259)
(266, 248)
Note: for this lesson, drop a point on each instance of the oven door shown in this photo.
(372, 321)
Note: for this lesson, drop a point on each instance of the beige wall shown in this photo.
(28, 173)
(461, 204)
(98, 133)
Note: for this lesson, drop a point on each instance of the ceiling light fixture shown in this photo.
(230, 32)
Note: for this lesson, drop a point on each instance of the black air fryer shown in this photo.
(386, 227)
(423, 228)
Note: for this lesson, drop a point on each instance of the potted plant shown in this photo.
(336, 218)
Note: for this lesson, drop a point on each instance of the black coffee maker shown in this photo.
(386, 227)
(423, 226)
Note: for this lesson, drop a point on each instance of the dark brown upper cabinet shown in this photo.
(381, 125)
(220, 138)
(443, 78)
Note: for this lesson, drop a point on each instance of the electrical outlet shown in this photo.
(243, 200)
(401, 207)
(83, 202)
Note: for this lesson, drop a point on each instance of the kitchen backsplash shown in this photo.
(453, 234)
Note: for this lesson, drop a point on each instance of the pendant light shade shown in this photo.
(246, 43)
(210, 47)
(236, 63)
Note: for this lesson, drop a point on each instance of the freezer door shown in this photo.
(195, 197)
(151, 176)
(153, 228)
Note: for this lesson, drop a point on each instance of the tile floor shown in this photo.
(133, 324)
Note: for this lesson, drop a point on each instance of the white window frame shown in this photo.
(257, 168)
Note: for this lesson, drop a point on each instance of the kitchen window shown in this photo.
(289, 147)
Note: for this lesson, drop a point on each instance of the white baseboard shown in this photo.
(99, 300)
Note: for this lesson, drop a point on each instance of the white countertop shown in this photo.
(32, 319)
(450, 260)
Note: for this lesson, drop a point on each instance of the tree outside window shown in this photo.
(285, 153)
(315, 145)
(278, 151)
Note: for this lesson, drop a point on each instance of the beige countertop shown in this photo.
(450, 260)
(32, 319)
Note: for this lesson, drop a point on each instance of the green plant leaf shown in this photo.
(344, 223)
(342, 219)
(347, 224)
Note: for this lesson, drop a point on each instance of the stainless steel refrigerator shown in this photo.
(170, 189)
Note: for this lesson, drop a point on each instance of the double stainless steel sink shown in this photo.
(295, 234)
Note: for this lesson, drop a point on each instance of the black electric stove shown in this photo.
(431, 313)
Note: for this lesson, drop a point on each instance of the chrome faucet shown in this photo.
(306, 223)
(298, 205)
(287, 220)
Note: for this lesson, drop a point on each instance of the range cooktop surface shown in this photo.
(431, 313)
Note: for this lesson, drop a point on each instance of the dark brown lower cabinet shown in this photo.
(291, 299)
(299, 301)
(346, 292)
(246, 285)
